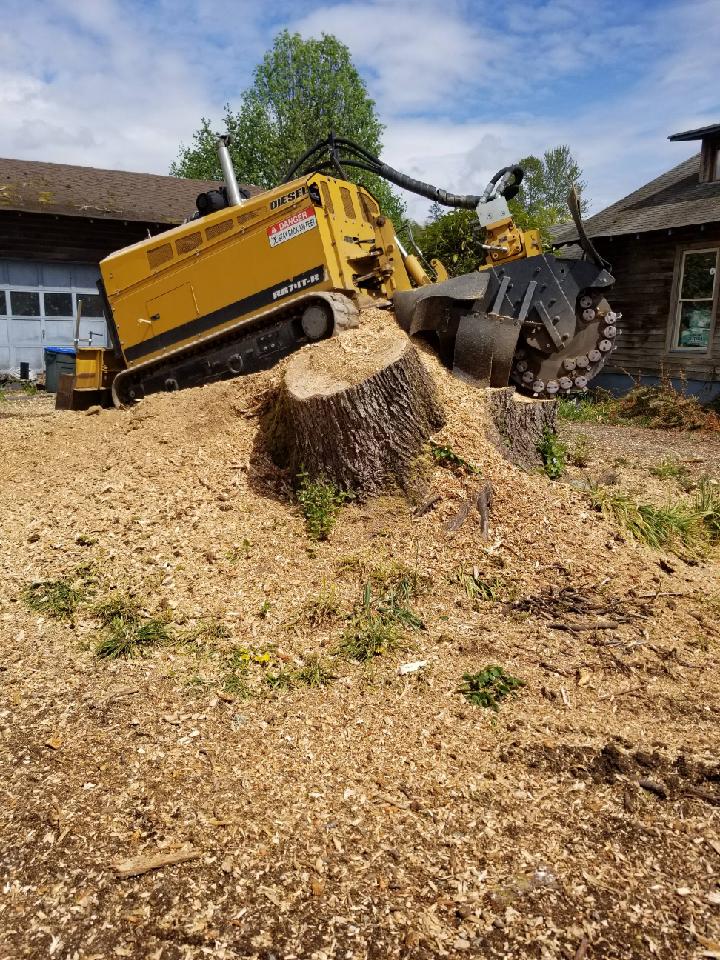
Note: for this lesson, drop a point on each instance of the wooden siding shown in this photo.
(35, 236)
(644, 267)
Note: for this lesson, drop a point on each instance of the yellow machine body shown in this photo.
(234, 267)
(505, 242)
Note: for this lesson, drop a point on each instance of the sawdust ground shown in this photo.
(379, 816)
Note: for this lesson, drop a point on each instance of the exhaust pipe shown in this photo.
(231, 185)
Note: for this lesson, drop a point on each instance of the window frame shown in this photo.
(672, 346)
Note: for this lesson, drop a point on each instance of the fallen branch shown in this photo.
(483, 503)
(427, 506)
(139, 865)
(454, 524)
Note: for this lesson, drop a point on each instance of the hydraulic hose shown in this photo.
(334, 152)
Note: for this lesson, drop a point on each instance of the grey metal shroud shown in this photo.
(528, 307)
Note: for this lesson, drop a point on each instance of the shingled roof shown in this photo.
(62, 189)
(675, 199)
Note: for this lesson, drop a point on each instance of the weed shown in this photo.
(488, 687)
(673, 526)
(369, 635)
(376, 625)
(58, 599)
(282, 680)
(478, 587)
(236, 684)
(29, 388)
(84, 541)
(315, 673)
(399, 579)
(585, 409)
(118, 606)
(321, 609)
(580, 451)
(125, 631)
(446, 457)
(707, 507)
(126, 637)
(3, 396)
(208, 632)
(264, 610)
(320, 503)
(243, 657)
(554, 454)
(669, 470)
(240, 553)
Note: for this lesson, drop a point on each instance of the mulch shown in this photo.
(381, 815)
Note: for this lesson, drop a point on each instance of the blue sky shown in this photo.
(462, 86)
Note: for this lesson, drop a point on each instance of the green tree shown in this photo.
(542, 201)
(455, 239)
(301, 91)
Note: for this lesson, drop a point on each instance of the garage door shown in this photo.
(38, 305)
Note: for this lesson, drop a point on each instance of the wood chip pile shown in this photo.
(246, 790)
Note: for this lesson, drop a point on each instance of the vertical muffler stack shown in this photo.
(234, 197)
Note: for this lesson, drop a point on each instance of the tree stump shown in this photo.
(355, 413)
(517, 424)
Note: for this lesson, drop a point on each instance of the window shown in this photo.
(698, 283)
(24, 303)
(91, 304)
(58, 305)
(3, 306)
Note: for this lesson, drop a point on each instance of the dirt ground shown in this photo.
(380, 815)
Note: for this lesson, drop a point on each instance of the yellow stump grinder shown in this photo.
(247, 280)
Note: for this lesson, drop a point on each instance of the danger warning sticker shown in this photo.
(293, 226)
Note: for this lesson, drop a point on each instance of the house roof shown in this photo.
(675, 199)
(62, 189)
(698, 133)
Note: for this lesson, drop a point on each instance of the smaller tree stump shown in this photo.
(518, 422)
(355, 413)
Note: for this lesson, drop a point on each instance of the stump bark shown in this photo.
(517, 424)
(356, 416)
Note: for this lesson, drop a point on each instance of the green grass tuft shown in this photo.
(58, 599)
(126, 632)
(480, 587)
(378, 622)
(321, 609)
(488, 687)
(369, 635)
(669, 470)
(315, 672)
(692, 527)
(585, 409)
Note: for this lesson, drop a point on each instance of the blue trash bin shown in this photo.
(58, 360)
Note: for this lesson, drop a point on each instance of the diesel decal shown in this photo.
(233, 311)
(293, 226)
(288, 198)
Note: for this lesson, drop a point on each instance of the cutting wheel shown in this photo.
(581, 359)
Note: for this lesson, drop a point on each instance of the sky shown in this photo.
(463, 87)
